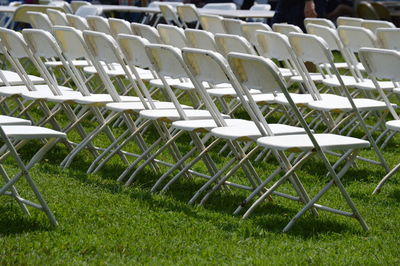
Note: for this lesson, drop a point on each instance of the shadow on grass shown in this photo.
(14, 222)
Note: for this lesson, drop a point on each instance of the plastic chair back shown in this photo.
(119, 26)
(389, 38)
(319, 21)
(147, 32)
(249, 30)
(172, 35)
(286, 28)
(77, 22)
(349, 21)
(232, 26)
(58, 18)
(227, 43)
(40, 21)
(201, 39)
(212, 23)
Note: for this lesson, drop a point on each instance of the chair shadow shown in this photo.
(14, 222)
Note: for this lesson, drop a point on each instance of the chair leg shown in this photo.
(385, 178)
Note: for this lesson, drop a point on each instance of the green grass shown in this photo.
(104, 222)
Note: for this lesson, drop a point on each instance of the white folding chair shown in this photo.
(9, 134)
(384, 64)
(259, 73)
(77, 22)
(228, 43)
(188, 14)
(57, 17)
(170, 15)
(310, 48)
(212, 23)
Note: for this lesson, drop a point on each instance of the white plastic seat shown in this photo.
(10, 120)
(304, 143)
(173, 115)
(207, 125)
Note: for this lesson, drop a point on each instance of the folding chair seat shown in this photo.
(383, 64)
(259, 73)
(10, 120)
(11, 133)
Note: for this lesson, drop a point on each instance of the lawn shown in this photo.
(103, 222)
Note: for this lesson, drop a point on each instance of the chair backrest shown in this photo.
(201, 39)
(44, 45)
(100, 24)
(212, 23)
(382, 64)
(187, 13)
(232, 26)
(274, 45)
(58, 18)
(365, 10)
(328, 34)
(77, 22)
(375, 24)
(389, 38)
(148, 32)
(104, 49)
(158, 3)
(349, 21)
(228, 43)
(20, 14)
(170, 15)
(118, 26)
(319, 21)
(172, 35)
(310, 48)
(40, 20)
(162, 58)
(286, 28)
(222, 6)
(75, 5)
(73, 46)
(212, 67)
(64, 4)
(261, 7)
(88, 10)
(249, 30)
(353, 38)
(133, 48)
